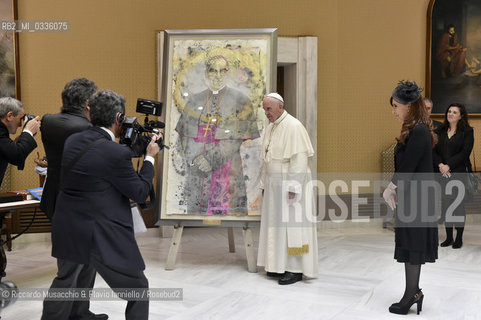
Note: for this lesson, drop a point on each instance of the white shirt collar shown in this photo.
(218, 91)
(283, 115)
(111, 134)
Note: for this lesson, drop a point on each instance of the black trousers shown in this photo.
(70, 275)
(116, 278)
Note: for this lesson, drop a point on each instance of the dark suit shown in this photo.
(454, 152)
(93, 220)
(14, 152)
(56, 128)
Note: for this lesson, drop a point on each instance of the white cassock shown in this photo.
(288, 236)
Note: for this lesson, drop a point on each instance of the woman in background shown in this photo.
(451, 157)
(416, 234)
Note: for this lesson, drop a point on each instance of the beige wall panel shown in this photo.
(365, 47)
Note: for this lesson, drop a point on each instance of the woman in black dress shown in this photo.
(416, 234)
(451, 157)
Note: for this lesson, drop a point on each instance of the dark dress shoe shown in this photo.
(457, 244)
(100, 316)
(274, 274)
(290, 277)
(446, 243)
(91, 316)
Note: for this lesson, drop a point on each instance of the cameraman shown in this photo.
(92, 223)
(15, 152)
(56, 128)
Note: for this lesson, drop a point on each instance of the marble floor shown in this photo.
(358, 278)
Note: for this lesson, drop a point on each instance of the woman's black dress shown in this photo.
(416, 232)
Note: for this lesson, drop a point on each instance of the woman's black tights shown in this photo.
(413, 272)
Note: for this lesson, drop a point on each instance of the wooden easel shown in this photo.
(248, 242)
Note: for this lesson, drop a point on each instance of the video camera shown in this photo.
(132, 133)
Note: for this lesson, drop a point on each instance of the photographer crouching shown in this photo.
(92, 223)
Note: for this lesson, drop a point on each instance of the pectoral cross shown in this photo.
(270, 137)
(207, 128)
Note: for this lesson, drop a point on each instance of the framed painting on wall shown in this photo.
(453, 65)
(213, 84)
(9, 75)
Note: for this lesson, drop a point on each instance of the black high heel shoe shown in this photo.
(397, 308)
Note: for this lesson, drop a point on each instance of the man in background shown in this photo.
(429, 106)
(12, 116)
(74, 117)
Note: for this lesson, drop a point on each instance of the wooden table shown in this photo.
(11, 208)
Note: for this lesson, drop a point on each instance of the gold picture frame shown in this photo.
(453, 57)
(212, 85)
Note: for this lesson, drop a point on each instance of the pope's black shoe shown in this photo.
(290, 277)
(274, 274)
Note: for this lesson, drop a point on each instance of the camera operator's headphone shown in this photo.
(120, 117)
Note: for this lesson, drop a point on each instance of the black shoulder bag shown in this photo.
(472, 180)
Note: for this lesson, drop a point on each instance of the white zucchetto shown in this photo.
(276, 96)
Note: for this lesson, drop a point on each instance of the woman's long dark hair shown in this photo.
(463, 123)
(417, 112)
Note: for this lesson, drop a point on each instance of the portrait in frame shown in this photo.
(9, 71)
(213, 84)
(453, 64)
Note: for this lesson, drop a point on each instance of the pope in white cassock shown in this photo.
(288, 236)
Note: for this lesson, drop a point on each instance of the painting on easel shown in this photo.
(213, 85)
